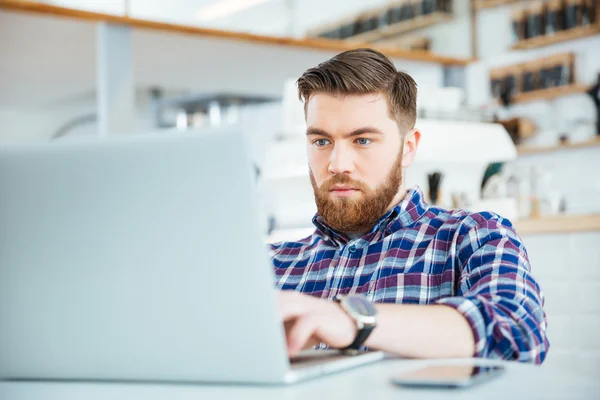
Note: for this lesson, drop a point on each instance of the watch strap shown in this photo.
(361, 337)
(362, 334)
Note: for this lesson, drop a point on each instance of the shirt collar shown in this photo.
(405, 214)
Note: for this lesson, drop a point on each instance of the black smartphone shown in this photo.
(448, 376)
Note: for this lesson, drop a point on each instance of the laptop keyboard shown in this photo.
(311, 358)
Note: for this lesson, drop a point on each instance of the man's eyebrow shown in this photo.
(356, 132)
(317, 131)
(365, 129)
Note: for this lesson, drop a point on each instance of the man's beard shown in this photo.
(356, 215)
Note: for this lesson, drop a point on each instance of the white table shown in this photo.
(372, 382)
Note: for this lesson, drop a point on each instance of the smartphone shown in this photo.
(448, 376)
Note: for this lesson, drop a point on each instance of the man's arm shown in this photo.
(417, 331)
(432, 331)
(498, 295)
(497, 312)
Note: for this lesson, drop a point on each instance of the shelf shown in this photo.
(559, 224)
(562, 36)
(551, 93)
(29, 32)
(401, 27)
(481, 4)
(30, 7)
(525, 150)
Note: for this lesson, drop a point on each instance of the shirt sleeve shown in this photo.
(498, 295)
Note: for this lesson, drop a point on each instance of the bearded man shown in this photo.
(383, 269)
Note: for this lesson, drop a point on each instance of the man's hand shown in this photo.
(309, 321)
(407, 330)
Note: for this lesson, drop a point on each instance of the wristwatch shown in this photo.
(364, 315)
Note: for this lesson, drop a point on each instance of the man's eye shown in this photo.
(321, 142)
(363, 141)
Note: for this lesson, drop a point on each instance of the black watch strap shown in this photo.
(361, 337)
(362, 334)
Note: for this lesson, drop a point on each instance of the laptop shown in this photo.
(140, 258)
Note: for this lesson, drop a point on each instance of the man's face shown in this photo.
(355, 159)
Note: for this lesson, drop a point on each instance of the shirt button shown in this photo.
(352, 249)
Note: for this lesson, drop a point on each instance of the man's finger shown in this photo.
(300, 333)
(291, 305)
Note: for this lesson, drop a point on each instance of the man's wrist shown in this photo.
(362, 315)
(350, 330)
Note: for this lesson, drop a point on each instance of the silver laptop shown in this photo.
(140, 258)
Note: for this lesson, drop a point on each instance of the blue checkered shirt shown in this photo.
(421, 254)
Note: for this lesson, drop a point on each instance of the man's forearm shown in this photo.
(422, 331)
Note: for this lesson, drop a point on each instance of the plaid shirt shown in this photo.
(420, 254)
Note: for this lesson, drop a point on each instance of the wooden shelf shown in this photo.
(525, 150)
(547, 94)
(481, 4)
(31, 7)
(547, 40)
(401, 27)
(559, 224)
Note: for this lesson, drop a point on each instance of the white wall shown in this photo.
(567, 267)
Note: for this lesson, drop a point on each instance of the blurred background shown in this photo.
(508, 106)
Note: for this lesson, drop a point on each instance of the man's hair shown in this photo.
(360, 72)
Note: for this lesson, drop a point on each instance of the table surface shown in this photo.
(520, 381)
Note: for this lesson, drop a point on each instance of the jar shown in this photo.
(554, 17)
(565, 71)
(535, 20)
(511, 81)
(587, 12)
(530, 77)
(386, 17)
(496, 82)
(347, 30)
(428, 6)
(445, 6)
(417, 8)
(545, 78)
(518, 24)
(572, 13)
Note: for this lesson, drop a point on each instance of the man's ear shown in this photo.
(411, 143)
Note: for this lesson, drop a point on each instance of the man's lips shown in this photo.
(342, 189)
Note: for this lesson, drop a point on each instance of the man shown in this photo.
(443, 283)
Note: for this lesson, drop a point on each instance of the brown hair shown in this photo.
(359, 72)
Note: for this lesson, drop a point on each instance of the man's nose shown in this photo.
(341, 161)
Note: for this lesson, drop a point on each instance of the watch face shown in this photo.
(362, 306)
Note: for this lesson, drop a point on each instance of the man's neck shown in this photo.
(397, 198)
